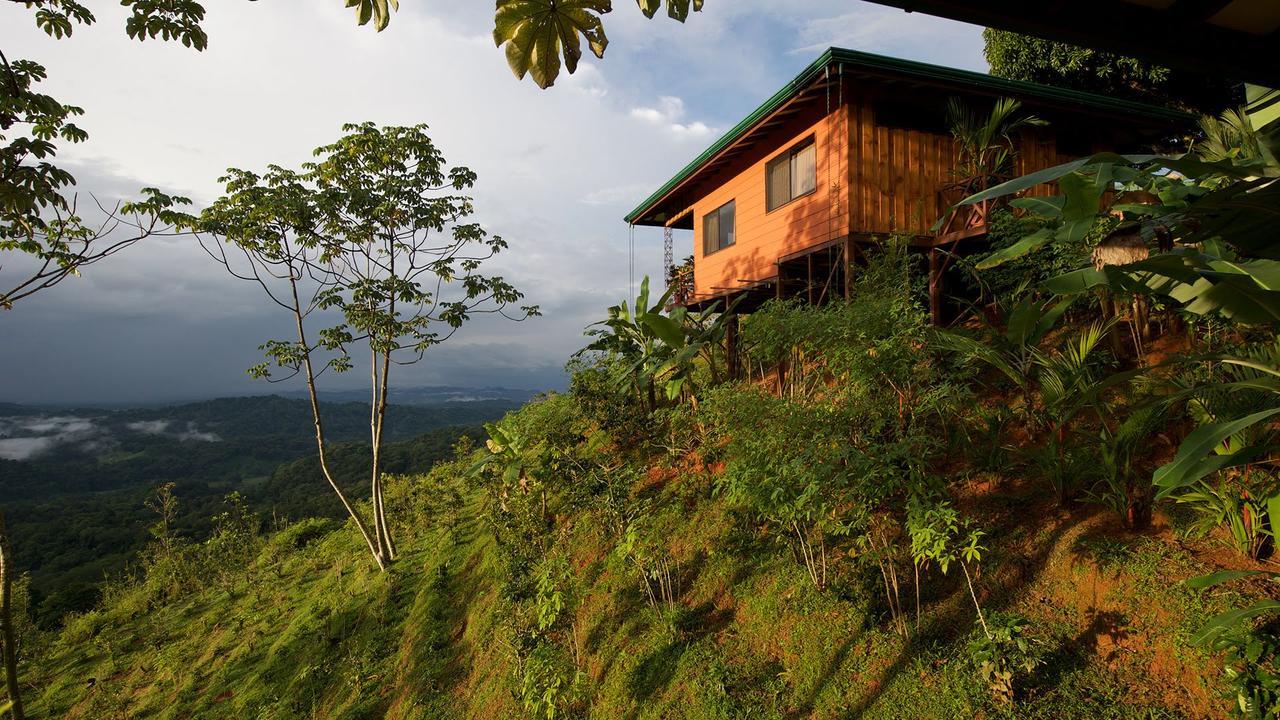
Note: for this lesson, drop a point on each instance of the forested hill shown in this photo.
(75, 481)
(47, 453)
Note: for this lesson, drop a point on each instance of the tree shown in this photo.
(371, 241)
(1022, 57)
(8, 639)
(38, 218)
(985, 141)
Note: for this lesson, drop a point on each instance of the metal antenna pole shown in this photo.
(631, 260)
(668, 259)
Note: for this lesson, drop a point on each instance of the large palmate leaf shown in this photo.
(676, 9)
(379, 11)
(1053, 174)
(1078, 281)
(1083, 194)
(1243, 213)
(1246, 292)
(1197, 455)
(1046, 207)
(669, 330)
(538, 32)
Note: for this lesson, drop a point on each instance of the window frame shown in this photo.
(733, 233)
(787, 157)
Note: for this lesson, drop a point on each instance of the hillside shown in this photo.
(309, 628)
(875, 525)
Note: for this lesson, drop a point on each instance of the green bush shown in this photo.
(1003, 651)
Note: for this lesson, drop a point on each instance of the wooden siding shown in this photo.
(872, 178)
(895, 174)
(762, 237)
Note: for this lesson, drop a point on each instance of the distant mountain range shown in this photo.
(428, 395)
(73, 481)
(421, 395)
(27, 432)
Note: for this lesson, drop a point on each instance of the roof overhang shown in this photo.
(837, 63)
(1236, 38)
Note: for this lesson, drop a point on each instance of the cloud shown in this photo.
(668, 113)
(620, 193)
(161, 427)
(890, 31)
(25, 448)
(25, 437)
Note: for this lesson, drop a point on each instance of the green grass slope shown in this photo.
(307, 628)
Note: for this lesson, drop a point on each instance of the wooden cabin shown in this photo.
(854, 149)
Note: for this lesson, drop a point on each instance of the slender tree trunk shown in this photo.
(8, 638)
(969, 581)
(917, 571)
(378, 415)
(319, 426)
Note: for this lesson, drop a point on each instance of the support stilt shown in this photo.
(731, 346)
(935, 286)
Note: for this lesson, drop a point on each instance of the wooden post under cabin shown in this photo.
(809, 288)
(731, 346)
(848, 268)
(935, 286)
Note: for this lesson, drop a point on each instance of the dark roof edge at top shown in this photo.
(897, 67)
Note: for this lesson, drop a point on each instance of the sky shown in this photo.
(557, 169)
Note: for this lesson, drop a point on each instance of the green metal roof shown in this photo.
(908, 69)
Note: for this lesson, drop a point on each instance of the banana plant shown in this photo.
(658, 348)
(506, 449)
(1212, 222)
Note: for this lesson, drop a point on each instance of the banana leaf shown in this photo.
(1217, 578)
(1224, 622)
(1196, 456)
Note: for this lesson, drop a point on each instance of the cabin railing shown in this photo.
(967, 220)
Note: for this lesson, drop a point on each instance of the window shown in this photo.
(791, 174)
(717, 229)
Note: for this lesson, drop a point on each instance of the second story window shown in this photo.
(717, 228)
(791, 174)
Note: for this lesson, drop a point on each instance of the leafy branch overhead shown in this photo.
(538, 33)
(379, 11)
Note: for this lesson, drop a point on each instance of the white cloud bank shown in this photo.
(668, 114)
(27, 437)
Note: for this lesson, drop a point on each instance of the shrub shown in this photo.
(549, 685)
(1002, 651)
(788, 465)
